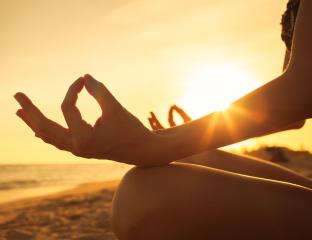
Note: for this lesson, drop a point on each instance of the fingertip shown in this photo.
(80, 79)
(73, 91)
(19, 95)
(90, 83)
(80, 83)
(19, 112)
(88, 77)
(22, 99)
(89, 87)
(16, 95)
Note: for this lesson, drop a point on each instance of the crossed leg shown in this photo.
(247, 165)
(187, 201)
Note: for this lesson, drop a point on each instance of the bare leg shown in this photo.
(185, 201)
(247, 165)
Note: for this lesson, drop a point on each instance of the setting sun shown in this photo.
(214, 87)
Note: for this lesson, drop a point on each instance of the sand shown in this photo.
(82, 213)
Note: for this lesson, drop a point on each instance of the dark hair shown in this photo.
(288, 22)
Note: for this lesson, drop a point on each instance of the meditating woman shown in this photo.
(231, 196)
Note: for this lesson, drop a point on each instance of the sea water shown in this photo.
(23, 181)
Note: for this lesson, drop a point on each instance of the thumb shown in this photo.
(101, 94)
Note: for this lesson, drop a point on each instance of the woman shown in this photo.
(232, 197)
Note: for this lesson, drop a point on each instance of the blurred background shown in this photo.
(199, 54)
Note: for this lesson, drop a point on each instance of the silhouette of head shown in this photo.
(288, 22)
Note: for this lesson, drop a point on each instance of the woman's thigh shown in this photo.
(184, 201)
(247, 165)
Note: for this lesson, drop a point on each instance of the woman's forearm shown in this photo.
(275, 105)
(279, 103)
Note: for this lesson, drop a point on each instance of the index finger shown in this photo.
(183, 114)
(70, 111)
(171, 118)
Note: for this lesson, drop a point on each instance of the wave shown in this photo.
(23, 184)
(18, 184)
(34, 176)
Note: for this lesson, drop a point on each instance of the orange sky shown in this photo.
(150, 54)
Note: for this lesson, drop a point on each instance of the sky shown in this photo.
(199, 54)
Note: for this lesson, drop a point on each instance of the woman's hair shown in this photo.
(288, 22)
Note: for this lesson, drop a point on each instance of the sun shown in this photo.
(214, 87)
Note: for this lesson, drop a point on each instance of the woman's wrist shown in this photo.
(161, 149)
(158, 149)
(172, 144)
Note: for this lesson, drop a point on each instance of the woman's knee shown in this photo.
(133, 203)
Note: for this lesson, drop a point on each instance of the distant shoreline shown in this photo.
(24, 181)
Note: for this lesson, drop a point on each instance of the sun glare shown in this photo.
(214, 87)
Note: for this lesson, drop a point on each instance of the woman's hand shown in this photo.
(156, 125)
(116, 135)
(185, 117)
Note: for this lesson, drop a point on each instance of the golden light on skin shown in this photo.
(221, 116)
(214, 87)
(210, 130)
(232, 129)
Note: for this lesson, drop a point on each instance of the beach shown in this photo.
(81, 213)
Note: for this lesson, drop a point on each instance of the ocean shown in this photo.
(24, 181)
